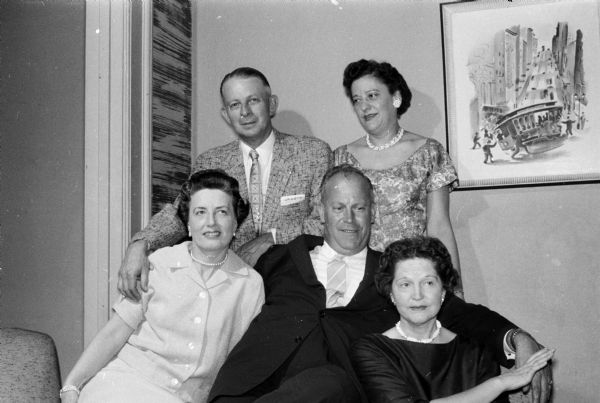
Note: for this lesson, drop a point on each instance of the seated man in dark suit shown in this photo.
(296, 349)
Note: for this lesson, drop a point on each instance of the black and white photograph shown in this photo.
(297, 201)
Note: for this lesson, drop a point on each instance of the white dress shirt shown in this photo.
(355, 271)
(265, 156)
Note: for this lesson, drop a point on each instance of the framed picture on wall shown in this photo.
(522, 91)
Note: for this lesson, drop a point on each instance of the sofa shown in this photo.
(29, 369)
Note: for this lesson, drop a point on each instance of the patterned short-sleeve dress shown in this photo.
(401, 191)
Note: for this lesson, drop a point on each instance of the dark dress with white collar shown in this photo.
(399, 371)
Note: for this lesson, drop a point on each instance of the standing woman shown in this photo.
(412, 175)
(169, 346)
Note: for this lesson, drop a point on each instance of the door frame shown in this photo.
(108, 188)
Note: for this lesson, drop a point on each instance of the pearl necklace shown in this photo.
(393, 141)
(436, 333)
(195, 259)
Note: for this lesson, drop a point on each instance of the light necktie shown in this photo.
(255, 191)
(336, 281)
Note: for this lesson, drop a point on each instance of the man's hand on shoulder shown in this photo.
(541, 384)
(134, 270)
(252, 250)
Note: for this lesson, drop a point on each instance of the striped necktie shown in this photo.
(255, 192)
(336, 281)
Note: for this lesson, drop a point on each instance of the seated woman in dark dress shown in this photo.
(418, 360)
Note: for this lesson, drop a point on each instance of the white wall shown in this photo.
(530, 253)
(42, 169)
(303, 47)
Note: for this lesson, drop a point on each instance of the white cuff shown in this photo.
(508, 351)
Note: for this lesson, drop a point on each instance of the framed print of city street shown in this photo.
(522, 91)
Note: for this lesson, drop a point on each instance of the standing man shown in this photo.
(282, 174)
(569, 122)
(518, 146)
(476, 138)
(581, 121)
(488, 144)
(296, 349)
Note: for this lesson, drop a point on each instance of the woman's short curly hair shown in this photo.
(422, 247)
(212, 179)
(383, 71)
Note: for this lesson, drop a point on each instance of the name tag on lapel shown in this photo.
(292, 199)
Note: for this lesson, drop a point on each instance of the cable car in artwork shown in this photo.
(537, 127)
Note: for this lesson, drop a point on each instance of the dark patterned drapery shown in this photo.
(171, 98)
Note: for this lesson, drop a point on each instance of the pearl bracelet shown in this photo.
(68, 388)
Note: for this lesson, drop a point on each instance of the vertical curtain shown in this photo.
(171, 98)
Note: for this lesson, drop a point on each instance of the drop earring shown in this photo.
(396, 103)
(189, 231)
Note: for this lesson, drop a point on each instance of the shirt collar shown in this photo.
(264, 150)
(328, 252)
(235, 265)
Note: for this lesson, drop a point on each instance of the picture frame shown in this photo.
(522, 91)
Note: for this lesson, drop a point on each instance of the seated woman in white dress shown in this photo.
(169, 346)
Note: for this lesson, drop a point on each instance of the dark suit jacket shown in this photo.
(295, 305)
(297, 167)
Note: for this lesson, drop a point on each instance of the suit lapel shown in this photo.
(371, 265)
(281, 170)
(299, 250)
(233, 164)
